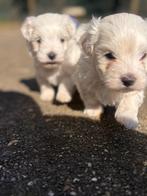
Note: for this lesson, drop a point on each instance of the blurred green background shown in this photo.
(18, 9)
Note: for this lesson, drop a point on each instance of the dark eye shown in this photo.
(110, 56)
(62, 40)
(143, 56)
(38, 40)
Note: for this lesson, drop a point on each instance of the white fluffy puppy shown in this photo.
(112, 70)
(50, 39)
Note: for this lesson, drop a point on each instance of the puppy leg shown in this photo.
(93, 107)
(94, 113)
(65, 90)
(127, 110)
(47, 92)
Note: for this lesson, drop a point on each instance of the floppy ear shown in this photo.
(27, 27)
(90, 36)
(71, 25)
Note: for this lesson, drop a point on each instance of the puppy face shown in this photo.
(48, 36)
(118, 46)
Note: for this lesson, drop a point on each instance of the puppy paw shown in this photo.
(128, 121)
(63, 97)
(94, 113)
(47, 95)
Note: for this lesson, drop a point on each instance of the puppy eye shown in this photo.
(143, 56)
(62, 40)
(38, 40)
(110, 56)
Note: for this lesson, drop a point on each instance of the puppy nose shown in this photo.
(128, 80)
(51, 55)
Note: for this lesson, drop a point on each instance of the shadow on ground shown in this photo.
(65, 155)
(75, 104)
(31, 83)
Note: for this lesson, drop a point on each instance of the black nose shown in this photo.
(128, 80)
(51, 55)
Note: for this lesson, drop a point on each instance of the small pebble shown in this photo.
(30, 183)
(12, 142)
(145, 163)
(50, 193)
(76, 180)
(89, 164)
(72, 193)
(94, 179)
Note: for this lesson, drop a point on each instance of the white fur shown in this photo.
(98, 78)
(52, 33)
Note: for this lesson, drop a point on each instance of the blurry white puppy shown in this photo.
(50, 39)
(112, 70)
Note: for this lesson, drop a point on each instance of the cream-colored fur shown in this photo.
(113, 67)
(52, 34)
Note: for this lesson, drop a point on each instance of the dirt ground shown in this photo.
(53, 150)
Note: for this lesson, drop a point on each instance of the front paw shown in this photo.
(128, 121)
(63, 97)
(47, 95)
(95, 114)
